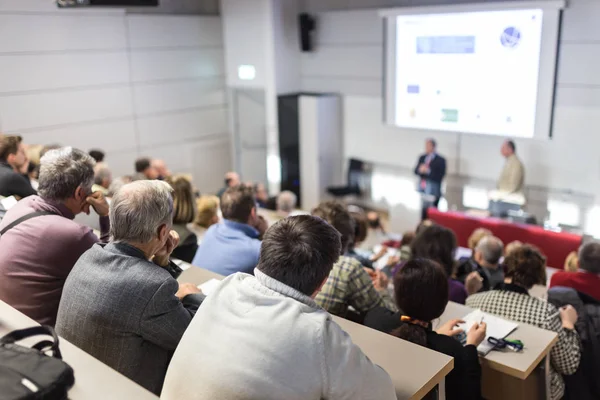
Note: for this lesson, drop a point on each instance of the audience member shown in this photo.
(286, 203)
(405, 245)
(32, 152)
(361, 229)
(102, 179)
(526, 267)
(145, 170)
(41, 242)
(261, 194)
(421, 289)
(184, 206)
(161, 169)
(97, 155)
(264, 337)
(207, 216)
(439, 244)
(486, 262)
(118, 184)
(233, 245)
(512, 246)
(587, 279)
(232, 179)
(14, 167)
(348, 283)
(476, 236)
(120, 307)
(571, 262)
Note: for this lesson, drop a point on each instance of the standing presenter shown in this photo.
(431, 170)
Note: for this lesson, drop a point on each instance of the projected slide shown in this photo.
(469, 72)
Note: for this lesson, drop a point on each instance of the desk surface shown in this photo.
(538, 343)
(413, 379)
(93, 379)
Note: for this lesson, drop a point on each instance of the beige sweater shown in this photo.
(512, 178)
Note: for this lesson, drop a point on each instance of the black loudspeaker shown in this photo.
(307, 25)
(289, 143)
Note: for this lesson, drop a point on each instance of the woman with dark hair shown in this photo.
(439, 244)
(184, 212)
(421, 289)
(526, 267)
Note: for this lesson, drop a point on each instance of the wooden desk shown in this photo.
(93, 379)
(507, 374)
(415, 370)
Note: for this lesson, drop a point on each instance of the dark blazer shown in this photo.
(122, 309)
(433, 180)
(464, 381)
(13, 184)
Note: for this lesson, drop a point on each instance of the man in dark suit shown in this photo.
(121, 302)
(431, 170)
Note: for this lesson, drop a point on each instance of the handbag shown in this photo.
(28, 373)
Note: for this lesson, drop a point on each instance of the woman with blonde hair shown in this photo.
(184, 212)
(208, 215)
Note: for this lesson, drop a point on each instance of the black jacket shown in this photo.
(585, 383)
(13, 184)
(464, 381)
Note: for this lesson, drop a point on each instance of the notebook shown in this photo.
(209, 286)
(496, 327)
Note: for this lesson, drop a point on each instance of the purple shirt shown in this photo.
(37, 255)
(457, 292)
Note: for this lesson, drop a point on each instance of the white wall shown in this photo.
(129, 84)
(348, 60)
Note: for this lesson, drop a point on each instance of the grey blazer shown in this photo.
(122, 309)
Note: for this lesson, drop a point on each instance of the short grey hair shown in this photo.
(491, 248)
(138, 209)
(117, 184)
(102, 173)
(62, 171)
(589, 257)
(286, 201)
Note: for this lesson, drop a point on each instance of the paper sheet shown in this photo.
(496, 327)
(209, 286)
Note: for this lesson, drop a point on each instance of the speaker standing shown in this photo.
(431, 170)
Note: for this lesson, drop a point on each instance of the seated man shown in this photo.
(286, 204)
(233, 245)
(232, 179)
(144, 169)
(40, 241)
(348, 283)
(264, 337)
(102, 179)
(13, 168)
(121, 303)
(486, 262)
(161, 169)
(587, 279)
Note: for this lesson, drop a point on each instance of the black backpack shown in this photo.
(28, 373)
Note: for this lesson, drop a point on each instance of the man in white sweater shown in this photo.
(264, 337)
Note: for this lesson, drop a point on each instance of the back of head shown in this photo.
(361, 226)
(436, 243)
(286, 201)
(97, 155)
(336, 213)
(208, 209)
(407, 238)
(184, 204)
(9, 145)
(511, 146)
(237, 203)
(589, 257)
(139, 209)
(62, 171)
(421, 289)
(300, 252)
(426, 223)
(491, 249)
(512, 246)
(118, 184)
(102, 174)
(526, 266)
(572, 262)
(142, 164)
(476, 236)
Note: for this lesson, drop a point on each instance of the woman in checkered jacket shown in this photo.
(527, 267)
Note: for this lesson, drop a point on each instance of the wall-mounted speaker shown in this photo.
(307, 26)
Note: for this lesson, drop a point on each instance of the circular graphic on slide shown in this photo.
(510, 37)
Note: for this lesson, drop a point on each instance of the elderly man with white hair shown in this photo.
(122, 303)
(41, 242)
(286, 203)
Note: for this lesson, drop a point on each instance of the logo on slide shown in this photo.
(510, 37)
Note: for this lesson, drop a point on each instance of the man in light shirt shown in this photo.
(512, 178)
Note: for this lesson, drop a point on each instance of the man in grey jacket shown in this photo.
(264, 337)
(121, 302)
